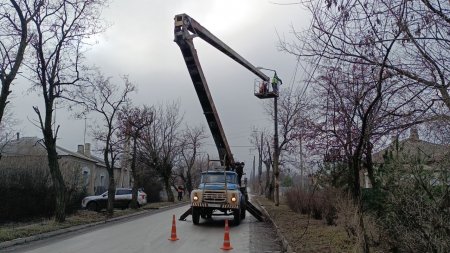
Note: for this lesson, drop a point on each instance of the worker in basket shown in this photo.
(263, 87)
(275, 82)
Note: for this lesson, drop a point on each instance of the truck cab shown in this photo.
(219, 193)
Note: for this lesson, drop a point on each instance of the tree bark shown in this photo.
(9, 78)
(168, 188)
(369, 164)
(59, 186)
(111, 193)
(189, 182)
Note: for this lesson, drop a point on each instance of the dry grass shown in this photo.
(305, 234)
(13, 231)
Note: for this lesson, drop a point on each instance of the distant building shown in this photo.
(80, 168)
(430, 154)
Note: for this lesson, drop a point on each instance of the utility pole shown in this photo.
(260, 164)
(276, 152)
(253, 174)
(302, 186)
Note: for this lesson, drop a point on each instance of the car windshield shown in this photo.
(123, 191)
(218, 178)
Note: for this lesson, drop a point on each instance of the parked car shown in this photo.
(122, 200)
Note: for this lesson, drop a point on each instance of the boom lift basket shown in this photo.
(263, 89)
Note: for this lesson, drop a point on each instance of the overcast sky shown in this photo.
(140, 44)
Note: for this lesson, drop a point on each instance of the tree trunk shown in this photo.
(59, 186)
(168, 188)
(365, 238)
(356, 162)
(276, 180)
(111, 193)
(189, 182)
(369, 164)
(356, 184)
(3, 97)
(9, 78)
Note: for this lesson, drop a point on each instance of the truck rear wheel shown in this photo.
(195, 215)
(237, 216)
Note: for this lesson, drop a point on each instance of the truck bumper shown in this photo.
(214, 205)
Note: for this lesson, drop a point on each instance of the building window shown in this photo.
(86, 174)
(102, 179)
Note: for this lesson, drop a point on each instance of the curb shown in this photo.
(18, 241)
(284, 242)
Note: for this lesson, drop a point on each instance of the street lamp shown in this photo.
(276, 153)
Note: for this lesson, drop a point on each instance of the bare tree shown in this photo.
(191, 142)
(387, 60)
(257, 140)
(160, 144)
(100, 95)
(360, 32)
(59, 30)
(133, 120)
(359, 108)
(291, 110)
(8, 127)
(15, 17)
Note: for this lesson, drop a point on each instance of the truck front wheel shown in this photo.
(237, 216)
(243, 213)
(195, 215)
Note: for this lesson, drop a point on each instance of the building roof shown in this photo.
(33, 146)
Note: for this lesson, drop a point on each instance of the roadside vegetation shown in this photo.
(366, 134)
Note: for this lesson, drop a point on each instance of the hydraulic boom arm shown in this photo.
(186, 28)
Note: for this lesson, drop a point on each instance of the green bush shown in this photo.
(373, 200)
(28, 193)
(25, 194)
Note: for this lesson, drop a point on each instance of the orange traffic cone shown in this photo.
(173, 234)
(226, 238)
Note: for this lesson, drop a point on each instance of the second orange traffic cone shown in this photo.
(173, 234)
(226, 238)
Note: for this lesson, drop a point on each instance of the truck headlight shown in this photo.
(233, 198)
(195, 198)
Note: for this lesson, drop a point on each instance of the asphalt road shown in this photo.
(150, 234)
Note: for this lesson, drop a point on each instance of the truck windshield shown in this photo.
(218, 178)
